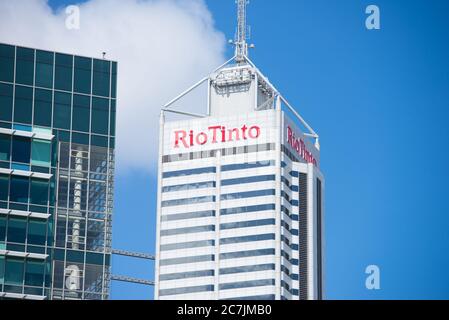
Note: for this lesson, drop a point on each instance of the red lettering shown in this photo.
(234, 133)
(244, 128)
(252, 134)
(300, 147)
(192, 138)
(180, 136)
(214, 130)
(201, 139)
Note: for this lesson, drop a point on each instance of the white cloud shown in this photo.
(162, 47)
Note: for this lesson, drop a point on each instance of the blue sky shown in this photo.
(380, 101)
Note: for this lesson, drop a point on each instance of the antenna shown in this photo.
(241, 46)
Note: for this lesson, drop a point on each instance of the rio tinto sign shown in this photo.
(215, 134)
(300, 147)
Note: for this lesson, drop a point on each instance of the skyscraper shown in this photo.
(57, 140)
(240, 202)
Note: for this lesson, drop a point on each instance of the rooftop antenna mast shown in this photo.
(241, 46)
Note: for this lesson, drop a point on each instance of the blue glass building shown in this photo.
(57, 140)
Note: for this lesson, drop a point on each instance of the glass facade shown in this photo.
(57, 141)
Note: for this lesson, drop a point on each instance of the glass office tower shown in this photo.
(57, 139)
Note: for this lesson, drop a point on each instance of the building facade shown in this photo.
(240, 205)
(57, 141)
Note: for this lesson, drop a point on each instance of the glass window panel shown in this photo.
(7, 54)
(17, 230)
(2, 270)
(5, 147)
(37, 232)
(6, 94)
(42, 107)
(34, 275)
(112, 123)
(63, 72)
(114, 80)
(18, 192)
(80, 138)
(2, 229)
(99, 141)
(83, 75)
(62, 111)
(101, 76)
(23, 104)
(44, 69)
(40, 153)
(4, 187)
(14, 271)
(25, 66)
(21, 149)
(81, 113)
(39, 192)
(100, 115)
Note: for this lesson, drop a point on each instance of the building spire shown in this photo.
(241, 46)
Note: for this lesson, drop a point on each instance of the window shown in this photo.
(172, 292)
(260, 237)
(39, 192)
(5, 147)
(249, 194)
(83, 75)
(114, 80)
(34, 275)
(256, 208)
(7, 54)
(174, 232)
(101, 77)
(187, 275)
(190, 172)
(25, 66)
(21, 149)
(245, 166)
(2, 231)
(80, 138)
(190, 186)
(42, 107)
(187, 216)
(245, 180)
(14, 271)
(17, 230)
(23, 104)
(100, 116)
(2, 271)
(6, 93)
(40, 153)
(81, 113)
(182, 202)
(63, 72)
(99, 141)
(188, 245)
(247, 224)
(4, 187)
(247, 254)
(44, 69)
(245, 269)
(112, 115)
(37, 232)
(247, 284)
(62, 110)
(197, 259)
(18, 192)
